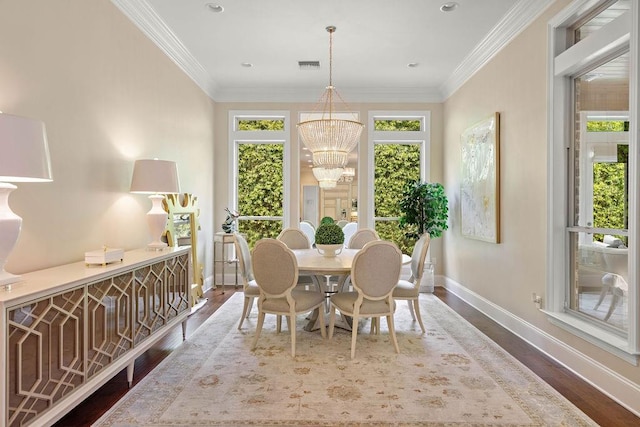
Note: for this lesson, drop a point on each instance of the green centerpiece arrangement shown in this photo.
(329, 237)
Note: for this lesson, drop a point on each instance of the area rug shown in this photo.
(451, 376)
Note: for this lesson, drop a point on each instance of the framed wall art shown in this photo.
(480, 184)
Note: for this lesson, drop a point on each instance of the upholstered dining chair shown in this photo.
(361, 237)
(249, 285)
(276, 272)
(309, 230)
(294, 238)
(357, 241)
(349, 230)
(374, 273)
(410, 289)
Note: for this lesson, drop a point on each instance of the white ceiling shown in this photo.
(373, 45)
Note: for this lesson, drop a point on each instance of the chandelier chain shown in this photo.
(331, 29)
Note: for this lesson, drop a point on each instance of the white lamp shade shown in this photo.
(152, 176)
(24, 152)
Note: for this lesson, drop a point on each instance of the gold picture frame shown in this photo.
(480, 183)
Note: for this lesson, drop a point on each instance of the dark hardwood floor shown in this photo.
(595, 404)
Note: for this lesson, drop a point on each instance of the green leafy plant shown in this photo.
(327, 220)
(425, 208)
(329, 234)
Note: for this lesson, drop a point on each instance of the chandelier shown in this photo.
(329, 139)
(327, 177)
(347, 175)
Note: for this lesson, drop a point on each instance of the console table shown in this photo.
(223, 239)
(67, 330)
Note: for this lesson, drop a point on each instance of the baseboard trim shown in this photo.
(609, 382)
(229, 280)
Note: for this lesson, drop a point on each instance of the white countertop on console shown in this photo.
(38, 283)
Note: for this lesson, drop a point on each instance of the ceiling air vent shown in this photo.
(309, 65)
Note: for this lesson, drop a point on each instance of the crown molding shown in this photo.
(523, 13)
(148, 21)
(303, 95)
(515, 21)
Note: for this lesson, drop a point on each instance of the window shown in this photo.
(259, 165)
(592, 206)
(399, 153)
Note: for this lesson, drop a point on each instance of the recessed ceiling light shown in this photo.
(216, 8)
(247, 64)
(412, 64)
(449, 7)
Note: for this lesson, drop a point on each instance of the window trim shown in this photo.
(422, 137)
(563, 64)
(237, 137)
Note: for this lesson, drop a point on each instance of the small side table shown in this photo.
(223, 239)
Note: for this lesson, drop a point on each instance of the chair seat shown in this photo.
(305, 300)
(405, 289)
(344, 301)
(252, 289)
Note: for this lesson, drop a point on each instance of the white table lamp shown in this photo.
(24, 157)
(155, 177)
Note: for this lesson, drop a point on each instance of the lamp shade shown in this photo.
(152, 176)
(24, 152)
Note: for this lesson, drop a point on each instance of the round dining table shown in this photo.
(313, 263)
(310, 261)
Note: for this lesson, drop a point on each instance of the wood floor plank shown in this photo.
(595, 404)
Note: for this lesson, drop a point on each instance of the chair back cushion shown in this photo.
(309, 231)
(294, 238)
(376, 269)
(244, 258)
(349, 230)
(418, 257)
(362, 237)
(274, 266)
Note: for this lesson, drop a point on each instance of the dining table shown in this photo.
(323, 268)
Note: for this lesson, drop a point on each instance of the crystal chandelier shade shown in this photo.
(329, 139)
(330, 135)
(330, 159)
(327, 177)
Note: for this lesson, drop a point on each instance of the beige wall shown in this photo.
(107, 96)
(222, 152)
(514, 84)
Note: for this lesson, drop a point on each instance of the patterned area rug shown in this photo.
(451, 376)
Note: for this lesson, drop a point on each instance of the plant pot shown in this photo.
(329, 250)
(427, 282)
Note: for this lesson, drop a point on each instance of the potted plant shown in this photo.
(326, 220)
(424, 205)
(425, 209)
(329, 238)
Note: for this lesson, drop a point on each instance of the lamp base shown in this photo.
(10, 225)
(157, 220)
